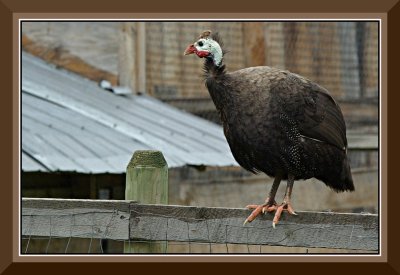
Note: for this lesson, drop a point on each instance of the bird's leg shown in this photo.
(286, 204)
(268, 206)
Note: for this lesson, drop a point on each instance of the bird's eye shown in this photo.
(200, 43)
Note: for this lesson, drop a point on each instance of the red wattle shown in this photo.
(202, 53)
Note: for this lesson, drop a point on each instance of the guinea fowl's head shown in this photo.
(206, 47)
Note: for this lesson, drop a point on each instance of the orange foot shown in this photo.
(287, 206)
(269, 206)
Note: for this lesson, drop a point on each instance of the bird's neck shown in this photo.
(216, 82)
(211, 70)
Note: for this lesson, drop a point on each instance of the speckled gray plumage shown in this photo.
(278, 122)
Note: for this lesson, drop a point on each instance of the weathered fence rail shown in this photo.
(148, 226)
(134, 222)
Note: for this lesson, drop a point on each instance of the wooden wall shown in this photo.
(342, 56)
(170, 74)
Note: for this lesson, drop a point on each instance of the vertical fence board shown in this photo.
(147, 182)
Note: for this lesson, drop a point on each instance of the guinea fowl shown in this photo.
(276, 122)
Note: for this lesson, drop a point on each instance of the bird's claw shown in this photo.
(290, 209)
(257, 210)
(269, 206)
(285, 206)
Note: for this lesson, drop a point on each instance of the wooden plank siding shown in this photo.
(333, 54)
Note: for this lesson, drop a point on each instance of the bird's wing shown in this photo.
(315, 112)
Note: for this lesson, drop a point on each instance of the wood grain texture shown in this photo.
(221, 225)
(132, 56)
(127, 220)
(64, 59)
(147, 182)
(253, 35)
(147, 178)
(75, 218)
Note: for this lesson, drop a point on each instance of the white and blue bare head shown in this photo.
(206, 47)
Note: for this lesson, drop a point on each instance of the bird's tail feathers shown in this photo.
(342, 181)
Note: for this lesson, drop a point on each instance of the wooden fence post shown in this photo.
(147, 182)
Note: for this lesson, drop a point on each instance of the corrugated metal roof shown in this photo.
(71, 124)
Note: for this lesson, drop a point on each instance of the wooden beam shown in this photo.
(221, 225)
(132, 56)
(64, 59)
(363, 142)
(141, 57)
(126, 55)
(147, 182)
(253, 35)
(143, 223)
(102, 219)
(349, 59)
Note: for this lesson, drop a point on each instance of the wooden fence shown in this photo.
(148, 228)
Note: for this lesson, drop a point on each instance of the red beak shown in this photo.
(190, 49)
